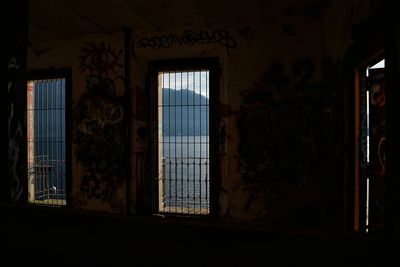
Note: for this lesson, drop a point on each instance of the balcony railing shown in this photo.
(184, 183)
(47, 181)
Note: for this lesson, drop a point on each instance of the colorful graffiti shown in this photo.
(15, 135)
(219, 37)
(101, 128)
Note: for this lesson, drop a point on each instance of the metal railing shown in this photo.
(185, 185)
(47, 180)
(183, 141)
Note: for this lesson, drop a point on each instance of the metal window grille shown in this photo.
(46, 142)
(183, 142)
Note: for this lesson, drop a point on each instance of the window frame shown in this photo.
(59, 73)
(212, 65)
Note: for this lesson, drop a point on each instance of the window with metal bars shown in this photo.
(46, 141)
(184, 132)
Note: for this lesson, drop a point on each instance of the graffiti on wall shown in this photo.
(277, 124)
(14, 131)
(101, 130)
(101, 64)
(189, 37)
(282, 123)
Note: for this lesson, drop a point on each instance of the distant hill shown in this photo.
(185, 113)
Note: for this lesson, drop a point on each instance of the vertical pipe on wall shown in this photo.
(128, 113)
(357, 149)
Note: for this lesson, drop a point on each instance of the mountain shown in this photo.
(184, 113)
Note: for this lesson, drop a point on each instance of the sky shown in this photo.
(192, 80)
(380, 64)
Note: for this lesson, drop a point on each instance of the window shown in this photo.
(370, 142)
(46, 141)
(185, 138)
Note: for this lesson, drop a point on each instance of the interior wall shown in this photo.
(270, 99)
(99, 126)
(281, 120)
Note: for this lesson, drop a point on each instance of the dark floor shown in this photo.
(39, 237)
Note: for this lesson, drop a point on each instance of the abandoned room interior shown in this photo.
(201, 133)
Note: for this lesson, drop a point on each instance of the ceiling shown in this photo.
(65, 19)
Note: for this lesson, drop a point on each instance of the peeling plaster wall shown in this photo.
(99, 128)
(143, 54)
(282, 110)
(273, 84)
(279, 58)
